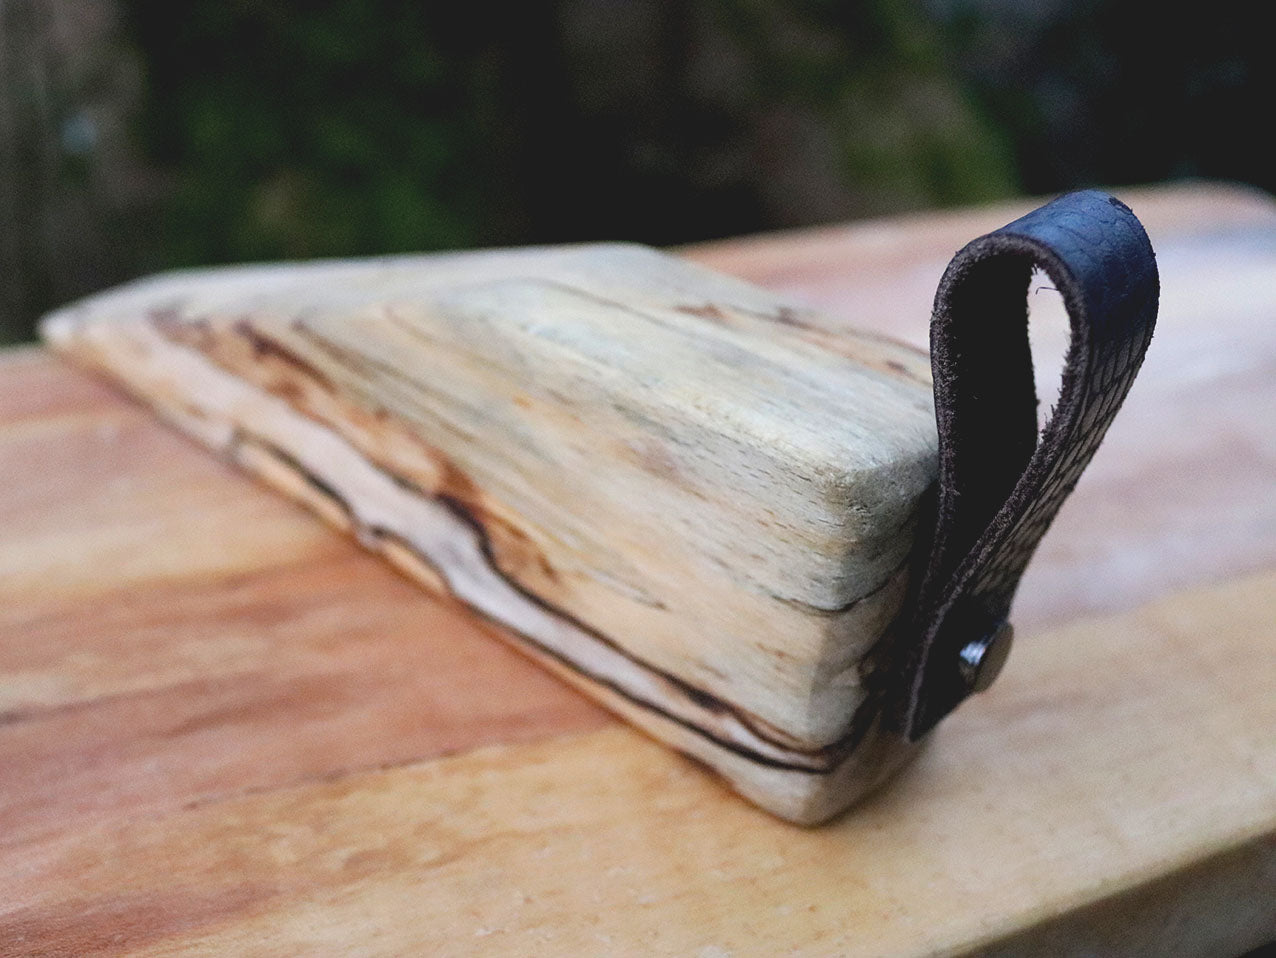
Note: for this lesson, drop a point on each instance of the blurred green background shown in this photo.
(137, 135)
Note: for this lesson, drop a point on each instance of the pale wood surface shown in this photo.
(193, 718)
(639, 467)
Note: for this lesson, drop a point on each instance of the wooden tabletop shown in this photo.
(226, 730)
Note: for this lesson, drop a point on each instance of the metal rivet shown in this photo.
(981, 660)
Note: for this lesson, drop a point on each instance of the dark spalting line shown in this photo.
(784, 316)
(198, 332)
(827, 756)
(265, 346)
(240, 438)
(464, 513)
(822, 612)
(171, 319)
(707, 311)
(348, 358)
(917, 516)
(343, 356)
(453, 481)
(695, 695)
(351, 360)
(811, 333)
(601, 300)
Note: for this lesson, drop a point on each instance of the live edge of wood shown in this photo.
(672, 487)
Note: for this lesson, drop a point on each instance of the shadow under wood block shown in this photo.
(674, 489)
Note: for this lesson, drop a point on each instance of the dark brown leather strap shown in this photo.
(999, 486)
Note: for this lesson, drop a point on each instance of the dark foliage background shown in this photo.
(141, 134)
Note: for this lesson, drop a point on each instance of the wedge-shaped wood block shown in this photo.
(675, 489)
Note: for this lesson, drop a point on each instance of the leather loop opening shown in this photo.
(1001, 482)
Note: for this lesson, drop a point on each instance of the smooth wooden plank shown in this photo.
(635, 466)
(1115, 793)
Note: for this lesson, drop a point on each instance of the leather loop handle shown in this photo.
(999, 486)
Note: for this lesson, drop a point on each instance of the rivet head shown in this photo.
(981, 660)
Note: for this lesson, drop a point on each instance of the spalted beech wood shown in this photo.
(672, 487)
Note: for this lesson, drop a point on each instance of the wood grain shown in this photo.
(1136, 830)
(1115, 794)
(642, 470)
